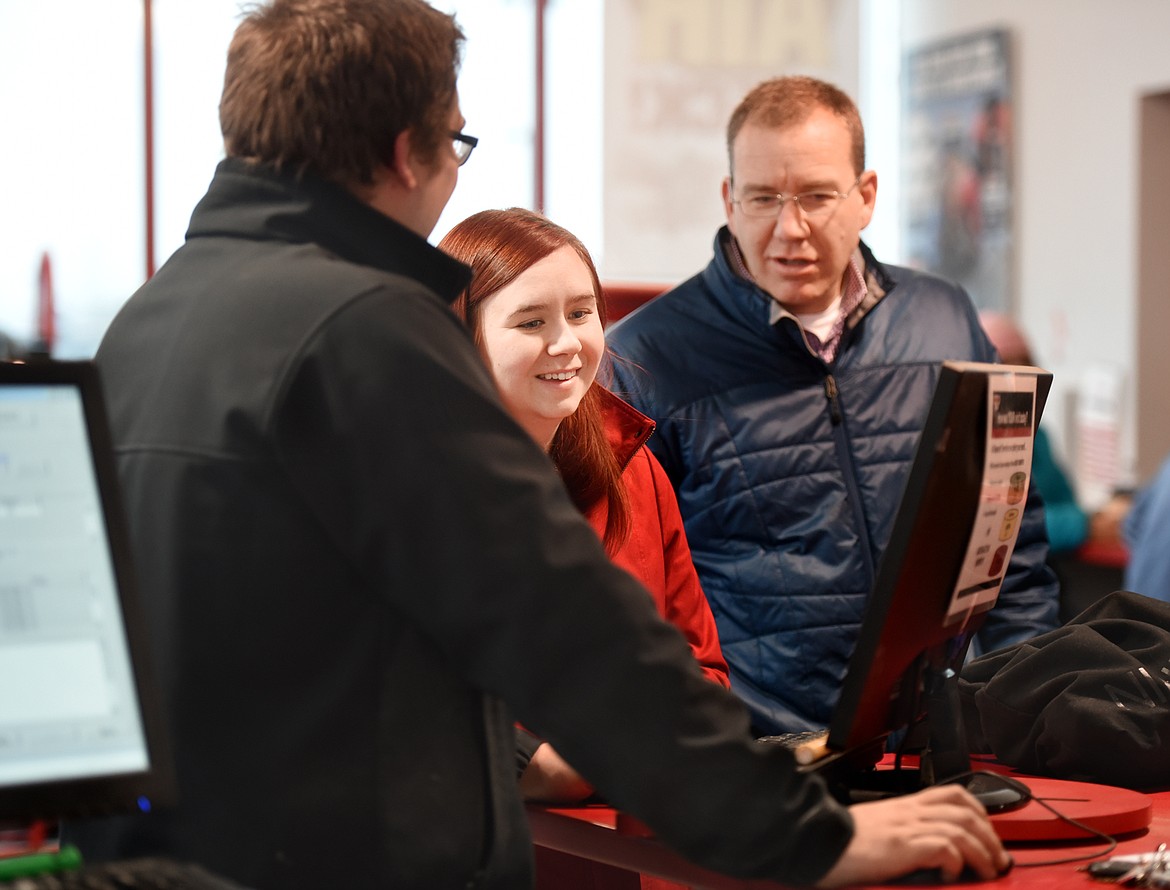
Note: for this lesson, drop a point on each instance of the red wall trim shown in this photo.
(148, 127)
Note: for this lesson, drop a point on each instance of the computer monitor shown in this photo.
(940, 573)
(80, 721)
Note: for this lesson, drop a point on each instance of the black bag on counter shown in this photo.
(1088, 701)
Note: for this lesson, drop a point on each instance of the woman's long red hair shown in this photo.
(499, 245)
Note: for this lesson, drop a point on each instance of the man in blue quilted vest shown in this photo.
(790, 380)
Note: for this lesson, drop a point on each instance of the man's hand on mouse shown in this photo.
(942, 827)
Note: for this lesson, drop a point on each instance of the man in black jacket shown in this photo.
(352, 556)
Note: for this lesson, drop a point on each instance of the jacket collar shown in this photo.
(877, 284)
(626, 428)
(254, 201)
(759, 304)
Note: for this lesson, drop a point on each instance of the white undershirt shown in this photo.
(821, 323)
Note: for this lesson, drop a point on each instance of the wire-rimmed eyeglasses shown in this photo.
(812, 204)
(463, 145)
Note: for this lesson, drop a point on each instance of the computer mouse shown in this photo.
(998, 793)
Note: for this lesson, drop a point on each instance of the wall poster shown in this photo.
(957, 140)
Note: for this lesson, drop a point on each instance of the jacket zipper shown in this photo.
(849, 471)
(831, 395)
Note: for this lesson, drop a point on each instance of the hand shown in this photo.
(548, 778)
(942, 827)
(1106, 524)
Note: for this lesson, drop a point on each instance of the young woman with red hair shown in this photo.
(535, 310)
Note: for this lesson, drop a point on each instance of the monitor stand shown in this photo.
(943, 758)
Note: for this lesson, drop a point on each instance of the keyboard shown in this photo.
(794, 740)
(133, 874)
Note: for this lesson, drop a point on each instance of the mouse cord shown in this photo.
(1109, 841)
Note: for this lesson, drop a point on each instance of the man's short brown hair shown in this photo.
(785, 101)
(327, 86)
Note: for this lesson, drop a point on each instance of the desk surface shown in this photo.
(601, 834)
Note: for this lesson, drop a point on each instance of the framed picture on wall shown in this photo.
(957, 156)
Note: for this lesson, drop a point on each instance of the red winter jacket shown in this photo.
(656, 552)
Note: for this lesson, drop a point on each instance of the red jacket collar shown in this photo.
(626, 428)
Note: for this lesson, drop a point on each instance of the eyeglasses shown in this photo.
(813, 205)
(463, 144)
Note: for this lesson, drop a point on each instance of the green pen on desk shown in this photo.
(30, 864)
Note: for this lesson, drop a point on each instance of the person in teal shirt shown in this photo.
(1067, 523)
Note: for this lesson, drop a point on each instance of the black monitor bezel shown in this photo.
(83, 797)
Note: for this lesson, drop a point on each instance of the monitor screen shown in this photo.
(79, 718)
(941, 571)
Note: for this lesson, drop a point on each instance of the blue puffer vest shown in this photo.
(789, 470)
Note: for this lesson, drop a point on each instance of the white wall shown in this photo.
(1081, 69)
(674, 72)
